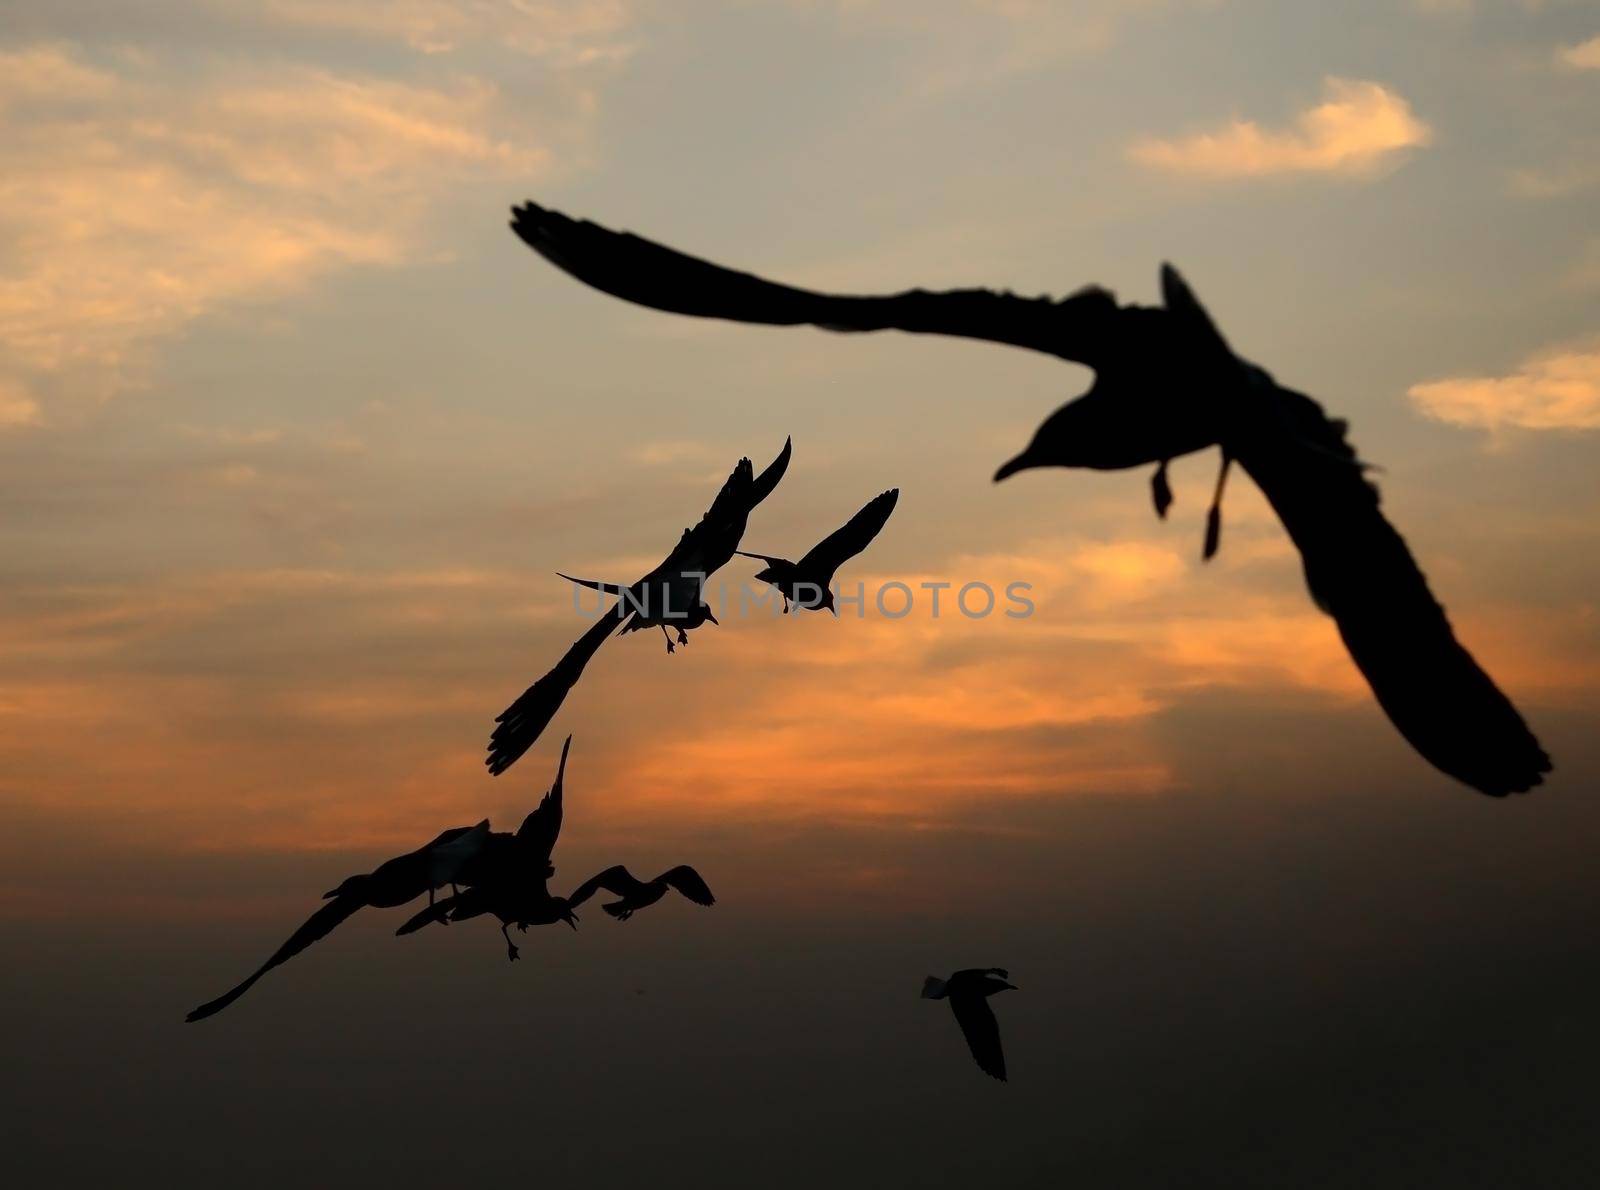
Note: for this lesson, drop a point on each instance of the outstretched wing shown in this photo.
(520, 724)
(318, 926)
(594, 585)
(638, 270)
(540, 829)
(617, 880)
(857, 533)
(1361, 573)
(688, 882)
(982, 1032)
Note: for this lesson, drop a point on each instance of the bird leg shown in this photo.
(1161, 490)
(511, 949)
(1214, 517)
(670, 647)
(683, 637)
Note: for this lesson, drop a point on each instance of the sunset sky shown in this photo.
(294, 434)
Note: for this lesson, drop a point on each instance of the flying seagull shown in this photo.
(639, 894)
(1166, 384)
(392, 883)
(508, 877)
(968, 992)
(673, 594)
(808, 583)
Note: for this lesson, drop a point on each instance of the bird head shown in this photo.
(349, 888)
(1161, 394)
(705, 615)
(564, 913)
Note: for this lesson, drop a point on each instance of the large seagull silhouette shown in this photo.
(1166, 384)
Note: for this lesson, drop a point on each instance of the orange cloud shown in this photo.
(1583, 56)
(1558, 390)
(1359, 127)
(137, 200)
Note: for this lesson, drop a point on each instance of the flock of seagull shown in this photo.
(1166, 384)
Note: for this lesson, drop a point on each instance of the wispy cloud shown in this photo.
(1357, 128)
(1583, 56)
(138, 198)
(17, 407)
(1556, 390)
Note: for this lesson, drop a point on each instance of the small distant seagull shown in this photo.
(1166, 384)
(968, 992)
(640, 894)
(508, 877)
(392, 883)
(673, 594)
(808, 583)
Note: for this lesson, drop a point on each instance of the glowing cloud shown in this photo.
(1357, 128)
(1558, 390)
(1583, 56)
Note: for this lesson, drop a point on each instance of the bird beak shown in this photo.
(572, 921)
(712, 618)
(1021, 463)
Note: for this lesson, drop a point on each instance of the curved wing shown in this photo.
(982, 1032)
(857, 533)
(318, 926)
(521, 723)
(541, 828)
(617, 880)
(649, 274)
(763, 484)
(1361, 573)
(688, 882)
(710, 545)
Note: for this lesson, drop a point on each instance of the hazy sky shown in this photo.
(294, 434)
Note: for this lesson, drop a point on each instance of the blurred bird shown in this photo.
(640, 894)
(392, 883)
(673, 594)
(968, 992)
(507, 877)
(808, 583)
(1166, 384)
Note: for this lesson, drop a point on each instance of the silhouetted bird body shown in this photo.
(670, 596)
(968, 991)
(1166, 384)
(638, 894)
(508, 876)
(808, 583)
(392, 883)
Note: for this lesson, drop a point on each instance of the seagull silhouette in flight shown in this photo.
(639, 894)
(808, 583)
(1166, 384)
(392, 883)
(968, 992)
(673, 594)
(509, 876)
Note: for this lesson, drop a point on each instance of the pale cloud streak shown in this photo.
(1359, 127)
(575, 33)
(1556, 390)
